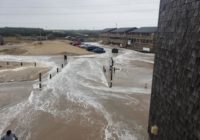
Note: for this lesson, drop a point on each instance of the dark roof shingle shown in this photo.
(145, 30)
(108, 30)
(124, 30)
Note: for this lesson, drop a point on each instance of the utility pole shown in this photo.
(116, 25)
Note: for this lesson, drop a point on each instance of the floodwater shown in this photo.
(77, 103)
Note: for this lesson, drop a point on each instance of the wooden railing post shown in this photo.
(40, 80)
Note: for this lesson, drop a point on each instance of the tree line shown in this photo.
(14, 31)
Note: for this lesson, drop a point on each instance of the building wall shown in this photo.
(175, 99)
(143, 40)
(114, 38)
(139, 40)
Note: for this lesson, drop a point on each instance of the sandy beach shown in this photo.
(54, 47)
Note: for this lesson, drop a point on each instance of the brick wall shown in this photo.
(175, 99)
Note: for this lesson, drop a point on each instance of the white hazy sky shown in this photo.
(78, 14)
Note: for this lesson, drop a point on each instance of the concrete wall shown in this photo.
(175, 99)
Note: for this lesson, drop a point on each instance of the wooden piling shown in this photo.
(112, 61)
(40, 85)
(21, 64)
(35, 64)
(111, 74)
(50, 76)
(104, 69)
(40, 80)
(65, 59)
(110, 84)
(40, 77)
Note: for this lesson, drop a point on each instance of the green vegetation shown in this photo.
(13, 31)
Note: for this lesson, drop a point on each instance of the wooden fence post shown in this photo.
(111, 72)
(40, 85)
(40, 80)
(110, 84)
(65, 59)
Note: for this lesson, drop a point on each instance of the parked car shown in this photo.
(115, 50)
(82, 46)
(99, 50)
(85, 46)
(76, 43)
(90, 48)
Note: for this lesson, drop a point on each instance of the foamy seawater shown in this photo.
(77, 102)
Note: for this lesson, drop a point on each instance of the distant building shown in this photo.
(137, 39)
(1, 40)
(142, 39)
(105, 34)
(119, 36)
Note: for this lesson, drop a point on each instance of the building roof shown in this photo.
(108, 30)
(124, 30)
(145, 30)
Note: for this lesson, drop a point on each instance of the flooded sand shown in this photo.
(77, 103)
(11, 71)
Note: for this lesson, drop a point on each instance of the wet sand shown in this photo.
(14, 72)
(77, 103)
(12, 64)
(14, 92)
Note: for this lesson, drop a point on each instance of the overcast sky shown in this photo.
(78, 14)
